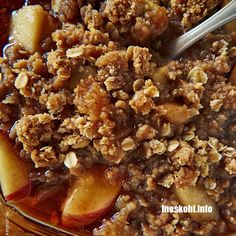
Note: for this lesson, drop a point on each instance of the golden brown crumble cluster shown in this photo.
(192, 11)
(138, 20)
(99, 95)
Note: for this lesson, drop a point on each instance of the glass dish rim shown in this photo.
(36, 222)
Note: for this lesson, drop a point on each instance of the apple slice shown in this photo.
(14, 173)
(178, 114)
(90, 198)
(195, 196)
(79, 74)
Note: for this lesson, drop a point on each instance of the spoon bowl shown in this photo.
(180, 44)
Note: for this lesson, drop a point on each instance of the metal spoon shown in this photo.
(225, 15)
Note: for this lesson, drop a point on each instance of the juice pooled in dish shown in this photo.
(100, 131)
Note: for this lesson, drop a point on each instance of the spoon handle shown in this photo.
(225, 15)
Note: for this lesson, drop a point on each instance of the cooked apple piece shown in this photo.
(80, 74)
(56, 5)
(176, 113)
(195, 196)
(90, 198)
(232, 77)
(14, 173)
(231, 26)
(160, 77)
(29, 25)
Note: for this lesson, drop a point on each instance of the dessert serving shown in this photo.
(100, 130)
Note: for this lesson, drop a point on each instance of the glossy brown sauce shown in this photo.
(48, 210)
(6, 7)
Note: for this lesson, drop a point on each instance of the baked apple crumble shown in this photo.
(100, 129)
